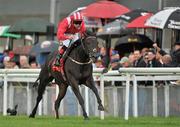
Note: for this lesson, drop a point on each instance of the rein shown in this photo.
(80, 63)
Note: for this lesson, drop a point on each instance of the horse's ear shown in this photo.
(89, 33)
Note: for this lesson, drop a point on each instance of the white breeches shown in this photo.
(68, 42)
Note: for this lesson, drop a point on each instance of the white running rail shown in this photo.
(123, 74)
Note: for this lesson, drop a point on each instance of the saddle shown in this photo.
(65, 56)
(67, 52)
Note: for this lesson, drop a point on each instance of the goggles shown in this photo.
(77, 22)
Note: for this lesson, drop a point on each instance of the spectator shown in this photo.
(11, 54)
(175, 54)
(32, 62)
(5, 52)
(98, 63)
(131, 59)
(114, 60)
(6, 62)
(1, 60)
(103, 55)
(144, 51)
(114, 65)
(137, 57)
(144, 60)
(166, 61)
(33, 65)
(114, 54)
(9, 63)
(124, 62)
(2, 55)
(23, 61)
(152, 61)
(158, 49)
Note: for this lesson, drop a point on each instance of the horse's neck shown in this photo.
(79, 54)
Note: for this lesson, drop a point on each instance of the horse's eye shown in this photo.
(89, 42)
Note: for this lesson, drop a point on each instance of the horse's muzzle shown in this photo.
(93, 59)
(93, 56)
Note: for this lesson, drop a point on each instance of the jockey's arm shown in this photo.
(62, 27)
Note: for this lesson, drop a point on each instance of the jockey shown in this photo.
(69, 30)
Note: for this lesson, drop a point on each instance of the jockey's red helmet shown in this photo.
(77, 16)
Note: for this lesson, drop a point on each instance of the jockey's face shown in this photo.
(77, 24)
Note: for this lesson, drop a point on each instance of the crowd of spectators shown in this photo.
(9, 60)
(147, 57)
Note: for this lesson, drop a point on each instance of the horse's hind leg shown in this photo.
(41, 89)
(91, 84)
(62, 92)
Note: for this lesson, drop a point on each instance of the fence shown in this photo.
(126, 75)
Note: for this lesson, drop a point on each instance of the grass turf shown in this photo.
(73, 121)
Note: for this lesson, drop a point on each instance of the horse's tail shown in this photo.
(36, 83)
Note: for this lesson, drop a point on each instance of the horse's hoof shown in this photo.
(86, 118)
(100, 108)
(57, 117)
(31, 116)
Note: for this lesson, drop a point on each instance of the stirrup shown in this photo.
(57, 64)
(55, 68)
(57, 61)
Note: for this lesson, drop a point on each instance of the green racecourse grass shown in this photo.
(73, 121)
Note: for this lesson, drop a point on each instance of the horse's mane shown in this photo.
(76, 43)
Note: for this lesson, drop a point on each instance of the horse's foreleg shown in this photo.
(41, 89)
(91, 84)
(62, 92)
(80, 99)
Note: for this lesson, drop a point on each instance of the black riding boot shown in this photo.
(59, 56)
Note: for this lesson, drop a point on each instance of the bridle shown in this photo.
(89, 37)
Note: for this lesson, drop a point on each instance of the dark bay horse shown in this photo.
(78, 70)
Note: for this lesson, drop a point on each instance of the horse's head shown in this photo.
(90, 45)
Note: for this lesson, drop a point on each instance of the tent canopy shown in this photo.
(4, 32)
